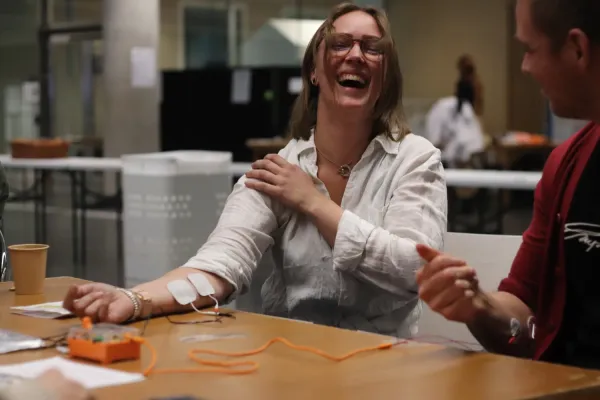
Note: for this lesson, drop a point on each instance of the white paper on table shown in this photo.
(89, 376)
(241, 86)
(143, 67)
(44, 310)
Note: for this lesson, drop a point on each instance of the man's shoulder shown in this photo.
(571, 147)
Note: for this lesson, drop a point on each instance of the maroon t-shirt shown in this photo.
(538, 273)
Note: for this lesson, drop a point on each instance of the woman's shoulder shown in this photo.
(415, 146)
(294, 147)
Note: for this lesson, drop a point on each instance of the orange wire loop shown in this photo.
(248, 367)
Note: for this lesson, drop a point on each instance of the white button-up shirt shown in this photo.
(395, 198)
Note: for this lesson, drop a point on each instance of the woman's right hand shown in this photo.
(100, 302)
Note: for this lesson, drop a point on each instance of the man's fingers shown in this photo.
(445, 279)
(427, 253)
(446, 298)
(439, 264)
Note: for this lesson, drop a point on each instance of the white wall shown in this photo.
(432, 34)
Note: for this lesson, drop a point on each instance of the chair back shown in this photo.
(492, 257)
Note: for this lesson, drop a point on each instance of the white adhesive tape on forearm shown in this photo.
(182, 291)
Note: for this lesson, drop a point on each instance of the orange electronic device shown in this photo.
(104, 343)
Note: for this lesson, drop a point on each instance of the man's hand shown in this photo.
(449, 286)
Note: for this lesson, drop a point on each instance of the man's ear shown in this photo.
(579, 43)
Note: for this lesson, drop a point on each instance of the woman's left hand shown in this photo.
(283, 181)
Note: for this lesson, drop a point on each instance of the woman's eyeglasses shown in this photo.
(340, 44)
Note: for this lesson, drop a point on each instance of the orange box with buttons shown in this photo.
(104, 343)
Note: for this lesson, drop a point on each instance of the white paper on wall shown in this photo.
(143, 67)
(241, 86)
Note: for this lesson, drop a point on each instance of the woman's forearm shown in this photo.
(164, 302)
(326, 216)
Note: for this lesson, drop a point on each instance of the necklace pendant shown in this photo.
(344, 170)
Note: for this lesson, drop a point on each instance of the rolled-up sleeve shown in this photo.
(385, 255)
(241, 237)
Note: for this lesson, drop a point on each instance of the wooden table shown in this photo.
(415, 371)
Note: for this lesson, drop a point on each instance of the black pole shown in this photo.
(44, 122)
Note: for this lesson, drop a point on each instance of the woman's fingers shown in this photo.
(266, 165)
(80, 305)
(263, 175)
(75, 293)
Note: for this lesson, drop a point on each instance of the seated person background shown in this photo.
(342, 205)
(469, 83)
(453, 127)
(548, 306)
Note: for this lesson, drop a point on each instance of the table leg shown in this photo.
(43, 219)
(501, 211)
(452, 209)
(83, 208)
(36, 206)
(119, 212)
(74, 221)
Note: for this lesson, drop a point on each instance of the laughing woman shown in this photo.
(341, 206)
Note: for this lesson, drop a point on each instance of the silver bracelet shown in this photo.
(137, 308)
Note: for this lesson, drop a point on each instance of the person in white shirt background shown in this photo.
(341, 206)
(453, 126)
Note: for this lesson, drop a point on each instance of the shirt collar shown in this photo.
(305, 145)
(387, 144)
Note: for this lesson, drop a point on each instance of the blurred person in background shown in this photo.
(341, 206)
(469, 85)
(452, 126)
(548, 306)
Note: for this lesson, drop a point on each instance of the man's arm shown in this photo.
(492, 326)
(450, 287)
(518, 292)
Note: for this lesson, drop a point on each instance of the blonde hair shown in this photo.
(388, 115)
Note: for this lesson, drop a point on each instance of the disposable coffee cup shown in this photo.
(28, 264)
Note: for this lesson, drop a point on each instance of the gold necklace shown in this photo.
(344, 169)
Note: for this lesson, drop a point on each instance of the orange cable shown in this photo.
(229, 367)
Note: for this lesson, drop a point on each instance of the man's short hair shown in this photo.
(555, 18)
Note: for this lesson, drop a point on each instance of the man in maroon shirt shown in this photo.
(548, 308)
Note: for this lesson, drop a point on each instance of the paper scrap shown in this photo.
(209, 337)
(241, 86)
(143, 67)
(13, 341)
(91, 377)
(45, 310)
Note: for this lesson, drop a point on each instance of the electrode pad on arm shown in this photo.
(183, 291)
(202, 284)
